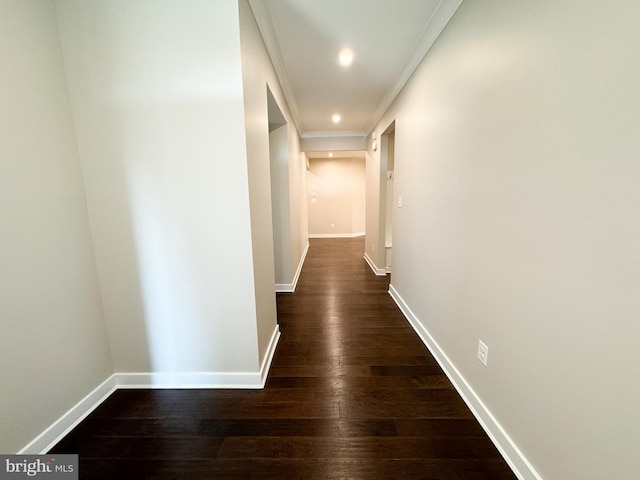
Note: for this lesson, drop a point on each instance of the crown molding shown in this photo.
(262, 16)
(445, 11)
(329, 134)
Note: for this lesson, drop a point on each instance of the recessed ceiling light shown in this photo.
(346, 58)
(331, 154)
(336, 118)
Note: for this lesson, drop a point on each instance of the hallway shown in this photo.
(352, 393)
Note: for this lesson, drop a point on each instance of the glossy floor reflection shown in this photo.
(352, 393)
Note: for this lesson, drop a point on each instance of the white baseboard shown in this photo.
(336, 235)
(291, 287)
(268, 355)
(203, 379)
(509, 450)
(381, 272)
(188, 380)
(67, 422)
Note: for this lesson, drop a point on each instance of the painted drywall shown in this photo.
(375, 198)
(259, 76)
(517, 160)
(298, 204)
(379, 197)
(338, 187)
(388, 142)
(157, 98)
(259, 169)
(53, 346)
(279, 159)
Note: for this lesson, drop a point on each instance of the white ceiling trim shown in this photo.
(361, 154)
(267, 30)
(339, 133)
(443, 13)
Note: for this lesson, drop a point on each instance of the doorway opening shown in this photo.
(336, 194)
(387, 164)
(279, 170)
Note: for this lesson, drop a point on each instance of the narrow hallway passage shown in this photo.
(375, 403)
(352, 394)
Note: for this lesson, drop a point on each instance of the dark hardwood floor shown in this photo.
(352, 394)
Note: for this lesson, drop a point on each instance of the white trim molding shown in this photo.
(291, 287)
(189, 380)
(445, 11)
(68, 421)
(336, 235)
(268, 355)
(262, 15)
(333, 134)
(381, 272)
(203, 379)
(507, 447)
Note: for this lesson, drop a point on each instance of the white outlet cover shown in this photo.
(483, 352)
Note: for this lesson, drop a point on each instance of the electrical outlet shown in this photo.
(333, 225)
(483, 352)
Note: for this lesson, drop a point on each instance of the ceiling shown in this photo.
(388, 39)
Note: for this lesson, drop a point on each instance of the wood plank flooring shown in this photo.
(352, 394)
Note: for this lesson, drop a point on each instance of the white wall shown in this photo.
(153, 110)
(298, 205)
(378, 201)
(339, 186)
(257, 145)
(279, 158)
(388, 143)
(258, 75)
(517, 158)
(375, 211)
(53, 345)
(156, 91)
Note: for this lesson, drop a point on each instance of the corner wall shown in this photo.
(375, 206)
(258, 74)
(156, 91)
(517, 160)
(53, 345)
(281, 211)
